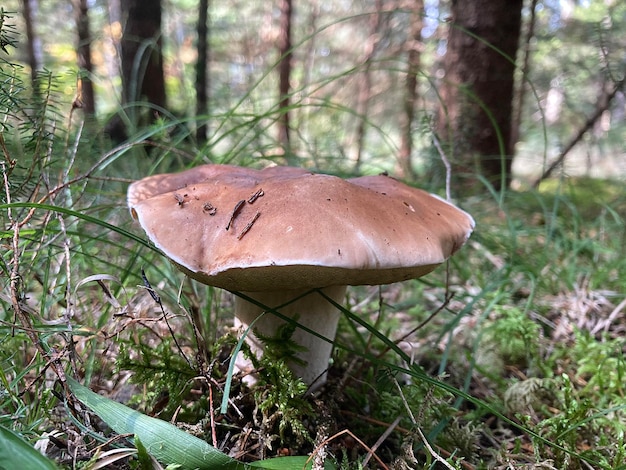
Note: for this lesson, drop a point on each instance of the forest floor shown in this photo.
(511, 357)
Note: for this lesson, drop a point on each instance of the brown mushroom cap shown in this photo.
(306, 230)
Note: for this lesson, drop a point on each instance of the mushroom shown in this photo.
(282, 235)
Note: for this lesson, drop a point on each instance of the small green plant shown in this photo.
(280, 396)
(602, 367)
(160, 368)
(580, 430)
(509, 337)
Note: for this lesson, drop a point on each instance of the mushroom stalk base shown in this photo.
(312, 311)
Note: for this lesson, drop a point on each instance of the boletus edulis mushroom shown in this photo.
(284, 233)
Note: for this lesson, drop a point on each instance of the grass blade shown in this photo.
(164, 441)
(288, 463)
(15, 452)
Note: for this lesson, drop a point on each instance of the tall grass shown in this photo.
(522, 361)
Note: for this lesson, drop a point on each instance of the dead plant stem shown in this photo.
(15, 287)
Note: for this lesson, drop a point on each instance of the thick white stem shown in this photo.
(312, 311)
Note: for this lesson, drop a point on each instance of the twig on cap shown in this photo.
(247, 228)
(236, 211)
(255, 196)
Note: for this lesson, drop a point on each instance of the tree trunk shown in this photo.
(284, 88)
(142, 59)
(202, 79)
(414, 46)
(35, 62)
(83, 52)
(477, 93)
(365, 84)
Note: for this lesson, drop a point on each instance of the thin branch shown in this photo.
(432, 452)
(446, 163)
(381, 439)
(417, 422)
(370, 452)
(603, 104)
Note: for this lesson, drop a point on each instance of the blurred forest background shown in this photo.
(358, 86)
(514, 354)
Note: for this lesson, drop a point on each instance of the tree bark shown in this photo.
(411, 95)
(202, 79)
(518, 103)
(142, 58)
(284, 68)
(29, 12)
(83, 53)
(365, 84)
(477, 93)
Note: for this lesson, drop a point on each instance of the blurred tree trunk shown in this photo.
(309, 58)
(414, 46)
(365, 88)
(83, 51)
(477, 93)
(284, 88)
(142, 58)
(520, 95)
(35, 61)
(202, 79)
